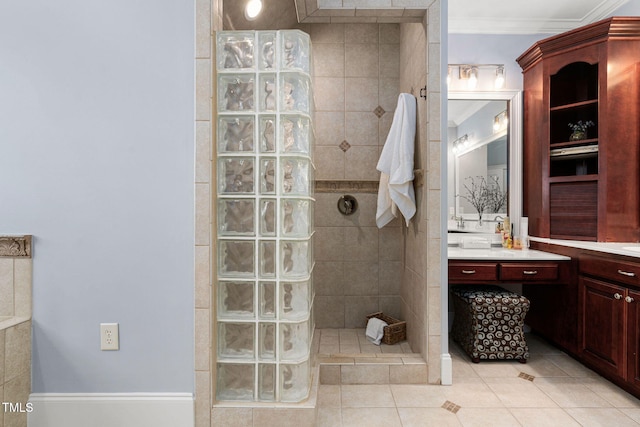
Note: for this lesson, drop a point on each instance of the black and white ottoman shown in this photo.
(489, 322)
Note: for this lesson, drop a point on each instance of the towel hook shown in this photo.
(423, 92)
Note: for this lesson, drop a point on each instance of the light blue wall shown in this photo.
(504, 49)
(492, 49)
(632, 8)
(96, 161)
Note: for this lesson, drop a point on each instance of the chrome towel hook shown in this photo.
(347, 204)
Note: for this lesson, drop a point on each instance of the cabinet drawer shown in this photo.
(618, 271)
(528, 272)
(473, 272)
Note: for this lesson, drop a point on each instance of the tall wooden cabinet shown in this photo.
(588, 188)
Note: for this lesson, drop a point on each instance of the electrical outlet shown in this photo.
(109, 339)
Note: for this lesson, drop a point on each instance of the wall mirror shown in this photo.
(484, 149)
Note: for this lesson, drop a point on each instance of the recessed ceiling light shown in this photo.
(253, 9)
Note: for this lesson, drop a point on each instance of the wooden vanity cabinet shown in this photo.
(496, 272)
(578, 189)
(609, 294)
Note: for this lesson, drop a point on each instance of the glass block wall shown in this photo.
(264, 205)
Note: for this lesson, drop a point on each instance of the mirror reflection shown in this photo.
(479, 151)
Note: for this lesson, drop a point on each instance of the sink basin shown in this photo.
(631, 248)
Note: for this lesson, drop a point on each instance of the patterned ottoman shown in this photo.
(489, 322)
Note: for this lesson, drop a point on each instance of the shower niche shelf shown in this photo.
(264, 142)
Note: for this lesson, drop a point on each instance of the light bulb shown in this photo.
(499, 83)
(253, 9)
(472, 82)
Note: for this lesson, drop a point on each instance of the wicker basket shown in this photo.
(396, 330)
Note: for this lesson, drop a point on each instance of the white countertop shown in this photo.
(501, 254)
(627, 249)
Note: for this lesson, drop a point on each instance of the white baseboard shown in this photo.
(446, 369)
(111, 410)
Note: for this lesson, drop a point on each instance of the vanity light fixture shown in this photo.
(460, 144)
(476, 76)
(253, 9)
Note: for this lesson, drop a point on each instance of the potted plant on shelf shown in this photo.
(579, 130)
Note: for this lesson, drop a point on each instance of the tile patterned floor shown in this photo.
(551, 389)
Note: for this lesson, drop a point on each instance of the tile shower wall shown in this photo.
(420, 288)
(358, 267)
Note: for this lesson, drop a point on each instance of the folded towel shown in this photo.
(396, 164)
(375, 330)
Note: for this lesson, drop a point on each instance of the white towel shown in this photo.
(396, 164)
(375, 330)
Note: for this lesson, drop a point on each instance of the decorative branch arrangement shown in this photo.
(483, 196)
(497, 197)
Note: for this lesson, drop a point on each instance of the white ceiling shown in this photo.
(465, 16)
(526, 16)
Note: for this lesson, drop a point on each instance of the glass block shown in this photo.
(296, 176)
(296, 258)
(267, 305)
(267, 50)
(236, 340)
(267, 382)
(295, 50)
(295, 218)
(295, 92)
(235, 134)
(267, 92)
(235, 50)
(236, 258)
(267, 134)
(236, 300)
(267, 341)
(235, 92)
(294, 382)
(295, 134)
(267, 258)
(267, 176)
(236, 217)
(267, 217)
(235, 381)
(294, 341)
(295, 299)
(236, 175)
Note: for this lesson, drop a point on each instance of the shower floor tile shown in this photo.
(353, 342)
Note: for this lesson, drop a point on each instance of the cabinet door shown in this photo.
(602, 340)
(633, 338)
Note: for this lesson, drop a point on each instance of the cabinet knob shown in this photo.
(628, 299)
(626, 273)
(617, 296)
(468, 272)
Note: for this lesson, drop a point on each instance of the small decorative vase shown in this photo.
(578, 135)
(480, 223)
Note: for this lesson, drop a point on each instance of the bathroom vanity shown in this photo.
(584, 297)
(498, 265)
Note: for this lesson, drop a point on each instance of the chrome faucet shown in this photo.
(498, 217)
(460, 221)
